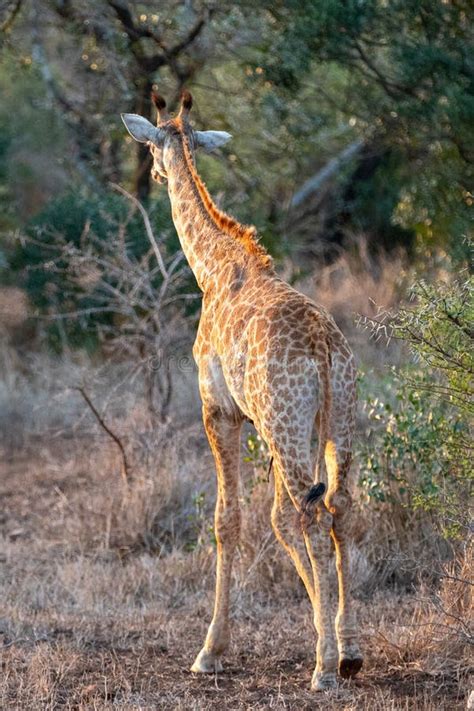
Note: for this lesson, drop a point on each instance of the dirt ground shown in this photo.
(92, 626)
(144, 664)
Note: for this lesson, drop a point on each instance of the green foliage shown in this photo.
(295, 82)
(46, 261)
(404, 81)
(256, 452)
(201, 524)
(440, 332)
(419, 448)
(32, 165)
(5, 197)
(258, 455)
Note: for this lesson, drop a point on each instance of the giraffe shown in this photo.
(269, 355)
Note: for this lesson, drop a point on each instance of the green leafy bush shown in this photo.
(419, 448)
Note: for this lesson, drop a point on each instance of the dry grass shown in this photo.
(355, 285)
(106, 588)
(85, 631)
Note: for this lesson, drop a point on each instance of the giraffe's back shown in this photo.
(273, 345)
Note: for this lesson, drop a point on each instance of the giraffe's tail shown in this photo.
(309, 502)
(322, 419)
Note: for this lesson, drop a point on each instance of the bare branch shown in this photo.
(191, 36)
(125, 469)
(388, 85)
(136, 32)
(6, 24)
(148, 227)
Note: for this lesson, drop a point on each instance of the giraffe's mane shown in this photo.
(245, 234)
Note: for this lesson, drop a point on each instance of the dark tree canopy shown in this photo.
(349, 118)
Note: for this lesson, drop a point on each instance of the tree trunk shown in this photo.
(142, 106)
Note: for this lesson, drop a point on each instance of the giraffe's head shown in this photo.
(160, 137)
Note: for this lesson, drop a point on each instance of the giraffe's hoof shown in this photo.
(206, 663)
(323, 681)
(350, 666)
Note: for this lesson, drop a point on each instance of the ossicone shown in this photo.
(160, 104)
(186, 103)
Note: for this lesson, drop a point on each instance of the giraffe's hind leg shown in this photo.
(340, 503)
(223, 434)
(314, 529)
(338, 458)
(288, 533)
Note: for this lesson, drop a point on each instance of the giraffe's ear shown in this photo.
(209, 140)
(140, 128)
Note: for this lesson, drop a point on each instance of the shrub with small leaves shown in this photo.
(419, 448)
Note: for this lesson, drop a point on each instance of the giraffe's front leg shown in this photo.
(223, 433)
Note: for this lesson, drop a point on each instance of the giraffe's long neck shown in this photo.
(204, 244)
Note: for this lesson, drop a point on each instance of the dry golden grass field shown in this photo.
(106, 587)
(106, 593)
